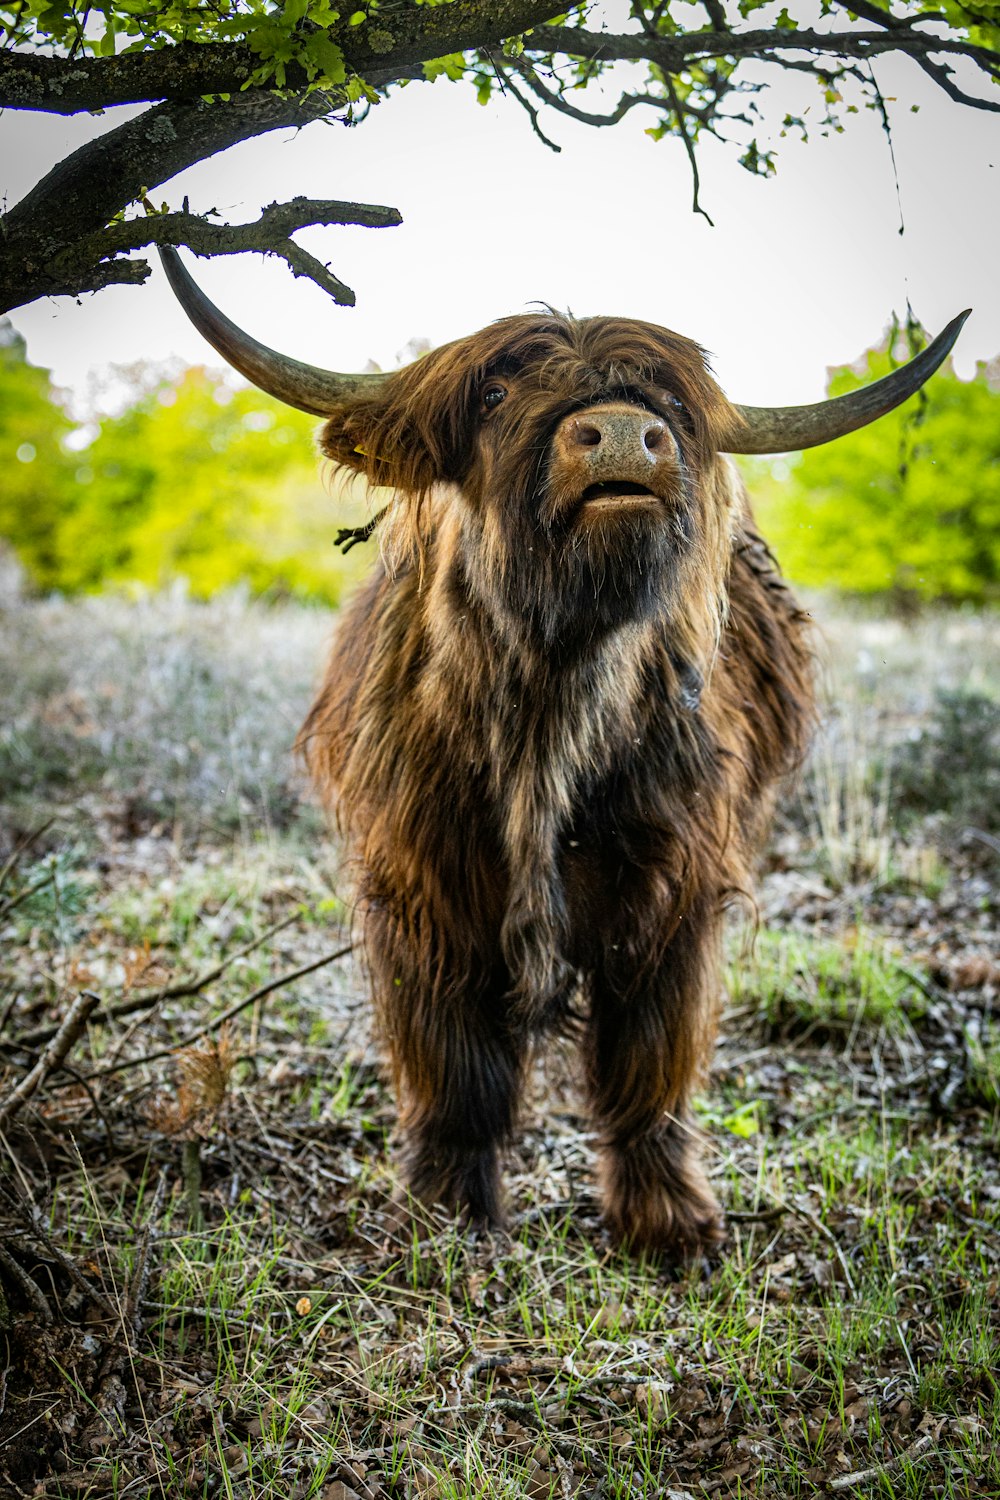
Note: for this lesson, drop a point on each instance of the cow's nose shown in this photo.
(625, 433)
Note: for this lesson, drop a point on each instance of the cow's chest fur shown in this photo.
(551, 738)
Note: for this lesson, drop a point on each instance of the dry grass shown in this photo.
(235, 1308)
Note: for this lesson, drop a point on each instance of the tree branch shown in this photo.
(942, 75)
(56, 240)
(270, 235)
(385, 43)
(587, 117)
(40, 237)
(64, 238)
(716, 15)
(90, 186)
(532, 114)
(675, 53)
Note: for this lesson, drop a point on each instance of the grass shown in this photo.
(295, 1335)
(794, 980)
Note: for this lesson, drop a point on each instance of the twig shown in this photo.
(877, 1471)
(349, 536)
(756, 1216)
(146, 999)
(28, 1286)
(35, 1231)
(189, 1310)
(522, 1409)
(10, 903)
(72, 1027)
(233, 1011)
(140, 1275)
(530, 111)
(281, 1149)
(689, 147)
(483, 1364)
(20, 848)
(827, 1234)
(74, 1076)
(192, 986)
(8, 1011)
(983, 837)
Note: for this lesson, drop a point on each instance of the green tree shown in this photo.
(37, 487)
(215, 74)
(908, 507)
(192, 480)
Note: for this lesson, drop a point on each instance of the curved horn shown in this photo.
(785, 429)
(303, 386)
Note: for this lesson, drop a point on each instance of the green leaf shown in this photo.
(743, 1121)
(324, 58)
(451, 66)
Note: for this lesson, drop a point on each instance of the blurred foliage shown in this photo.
(37, 472)
(193, 479)
(908, 508)
(952, 765)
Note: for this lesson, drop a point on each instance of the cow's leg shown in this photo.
(457, 1069)
(650, 1030)
(457, 1110)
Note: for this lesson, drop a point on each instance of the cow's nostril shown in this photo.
(652, 437)
(586, 434)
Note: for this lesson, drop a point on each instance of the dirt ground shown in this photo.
(205, 1286)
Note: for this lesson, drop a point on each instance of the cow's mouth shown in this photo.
(616, 492)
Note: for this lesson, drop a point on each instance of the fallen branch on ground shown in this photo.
(234, 1010)
(878, 1471)
(21, 848)
(32, 1291)
(76, 1020)
(35, 1231)
(147, 999)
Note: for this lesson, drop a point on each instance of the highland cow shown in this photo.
(553, 725)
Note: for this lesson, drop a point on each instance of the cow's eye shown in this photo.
(492, 394)
(678, 404)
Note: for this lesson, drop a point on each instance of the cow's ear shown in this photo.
(375, 435)
(350, 437)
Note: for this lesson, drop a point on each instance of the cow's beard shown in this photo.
(566, 586)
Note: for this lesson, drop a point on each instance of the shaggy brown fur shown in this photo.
(551, 728)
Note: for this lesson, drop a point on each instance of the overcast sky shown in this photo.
(799, 272)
